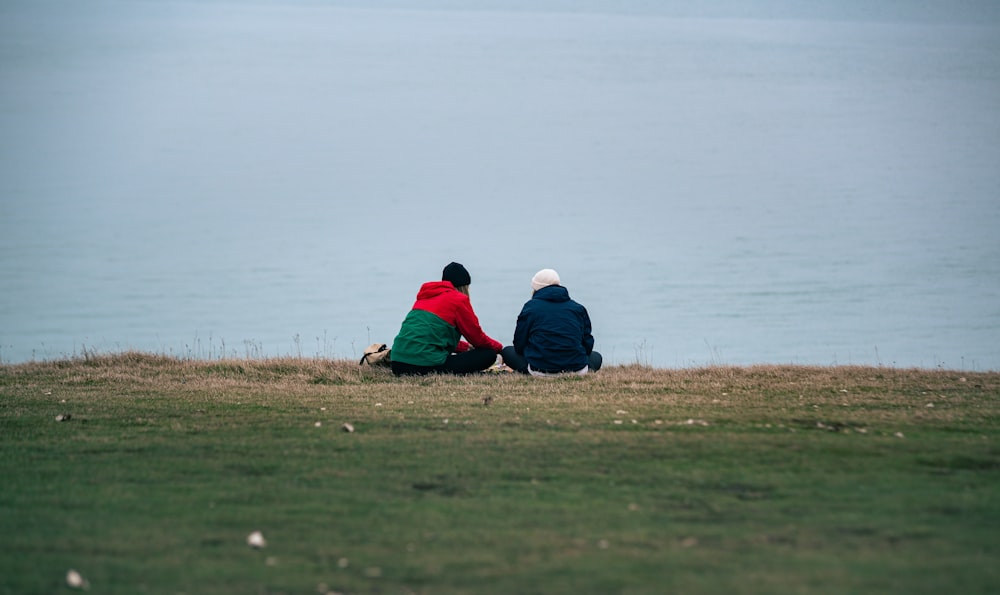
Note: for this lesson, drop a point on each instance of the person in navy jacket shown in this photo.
(553, 332)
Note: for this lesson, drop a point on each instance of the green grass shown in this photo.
(633, 480)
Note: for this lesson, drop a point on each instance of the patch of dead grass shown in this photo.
(711, 389)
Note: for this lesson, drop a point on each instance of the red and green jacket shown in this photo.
(432, 330)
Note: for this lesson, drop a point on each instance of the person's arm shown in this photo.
(521, 331)
(588, 338)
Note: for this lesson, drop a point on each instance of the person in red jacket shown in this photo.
(429, 339)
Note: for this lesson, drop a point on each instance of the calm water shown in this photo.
(764, 182)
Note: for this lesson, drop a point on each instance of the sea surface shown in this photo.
(738, 183)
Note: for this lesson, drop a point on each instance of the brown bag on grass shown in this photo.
(377, 354)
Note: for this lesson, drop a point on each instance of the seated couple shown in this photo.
(552, 335)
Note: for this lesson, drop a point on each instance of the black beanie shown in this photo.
(457, 274)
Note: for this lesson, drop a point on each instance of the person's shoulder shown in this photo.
(455, 296)
(575, 305)
(530, 307)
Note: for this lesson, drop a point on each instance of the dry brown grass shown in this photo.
(712, 389)
(139, 367)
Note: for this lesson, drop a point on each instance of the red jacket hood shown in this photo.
(434, 289)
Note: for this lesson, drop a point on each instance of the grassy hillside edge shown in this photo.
(147, 473)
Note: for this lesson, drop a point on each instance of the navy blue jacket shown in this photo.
(553, 332)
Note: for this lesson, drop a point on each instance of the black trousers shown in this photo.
(474, 360)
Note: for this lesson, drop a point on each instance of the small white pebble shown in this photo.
(75, 580)
(318, 424)
(256, 540)
(618, 422)
(930, 405)
(899, 435)
(347, 428)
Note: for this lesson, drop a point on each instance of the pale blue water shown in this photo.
(746, 182)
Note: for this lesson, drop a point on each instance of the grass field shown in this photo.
(632, 480)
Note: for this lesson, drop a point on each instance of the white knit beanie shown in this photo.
(544, 278)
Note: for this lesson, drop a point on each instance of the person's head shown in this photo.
(544, 278)
(458, 276)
